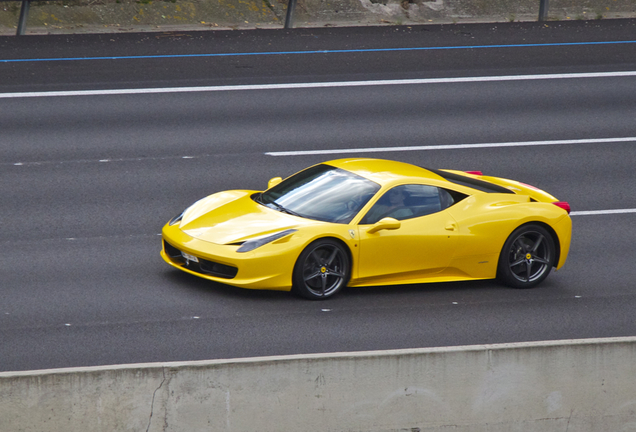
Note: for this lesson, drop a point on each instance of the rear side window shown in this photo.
(410, 201)
(471, 182)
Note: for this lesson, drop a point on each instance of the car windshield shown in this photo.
(322, 193)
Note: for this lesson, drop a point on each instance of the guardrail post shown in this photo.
(289, 19)
(543, 10)
(24, 13)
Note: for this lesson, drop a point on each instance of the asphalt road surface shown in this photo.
(88, 180)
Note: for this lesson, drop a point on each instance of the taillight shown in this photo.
(474, 172)
(564, 205)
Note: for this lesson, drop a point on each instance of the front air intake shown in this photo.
(205, 267)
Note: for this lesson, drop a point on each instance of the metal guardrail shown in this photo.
(289, 18)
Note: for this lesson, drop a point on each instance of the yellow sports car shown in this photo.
(364, 222)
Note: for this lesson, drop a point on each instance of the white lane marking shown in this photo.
(574, 213)
(319, 84)
(602, 212)
(361, 150)
(138, 159)
(451, 146)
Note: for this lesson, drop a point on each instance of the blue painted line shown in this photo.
(463, 47)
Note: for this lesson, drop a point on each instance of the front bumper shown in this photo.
(268, 267)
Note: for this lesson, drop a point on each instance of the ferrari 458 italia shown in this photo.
(369, 222)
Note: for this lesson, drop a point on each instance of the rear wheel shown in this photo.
(527, 257)
(322, 270)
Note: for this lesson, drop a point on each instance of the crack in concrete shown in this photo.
(152, 404)
(569, 418)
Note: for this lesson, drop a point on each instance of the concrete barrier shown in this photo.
(576, 385)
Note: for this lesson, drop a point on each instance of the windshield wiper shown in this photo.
(283, 209)
(259, 199)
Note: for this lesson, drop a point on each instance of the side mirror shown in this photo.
(386, 223)
(273, 182)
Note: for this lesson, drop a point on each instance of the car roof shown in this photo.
(384, 171)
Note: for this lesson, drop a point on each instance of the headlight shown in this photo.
(176, 219)
(256, 243)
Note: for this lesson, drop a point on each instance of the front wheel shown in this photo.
(527, 257)
(322, 270)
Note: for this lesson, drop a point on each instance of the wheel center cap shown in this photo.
(528, 256)
(323, 269)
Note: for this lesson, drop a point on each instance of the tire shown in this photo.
(322, 269)
(527, 257)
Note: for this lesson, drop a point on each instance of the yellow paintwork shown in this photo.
(462, 242)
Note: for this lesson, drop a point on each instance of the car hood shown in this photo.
(232, 217)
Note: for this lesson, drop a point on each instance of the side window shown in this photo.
(409, 201)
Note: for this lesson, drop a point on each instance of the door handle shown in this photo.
(451, 226)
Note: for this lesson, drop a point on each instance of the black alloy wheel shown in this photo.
(322, 270)
(527, 257)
